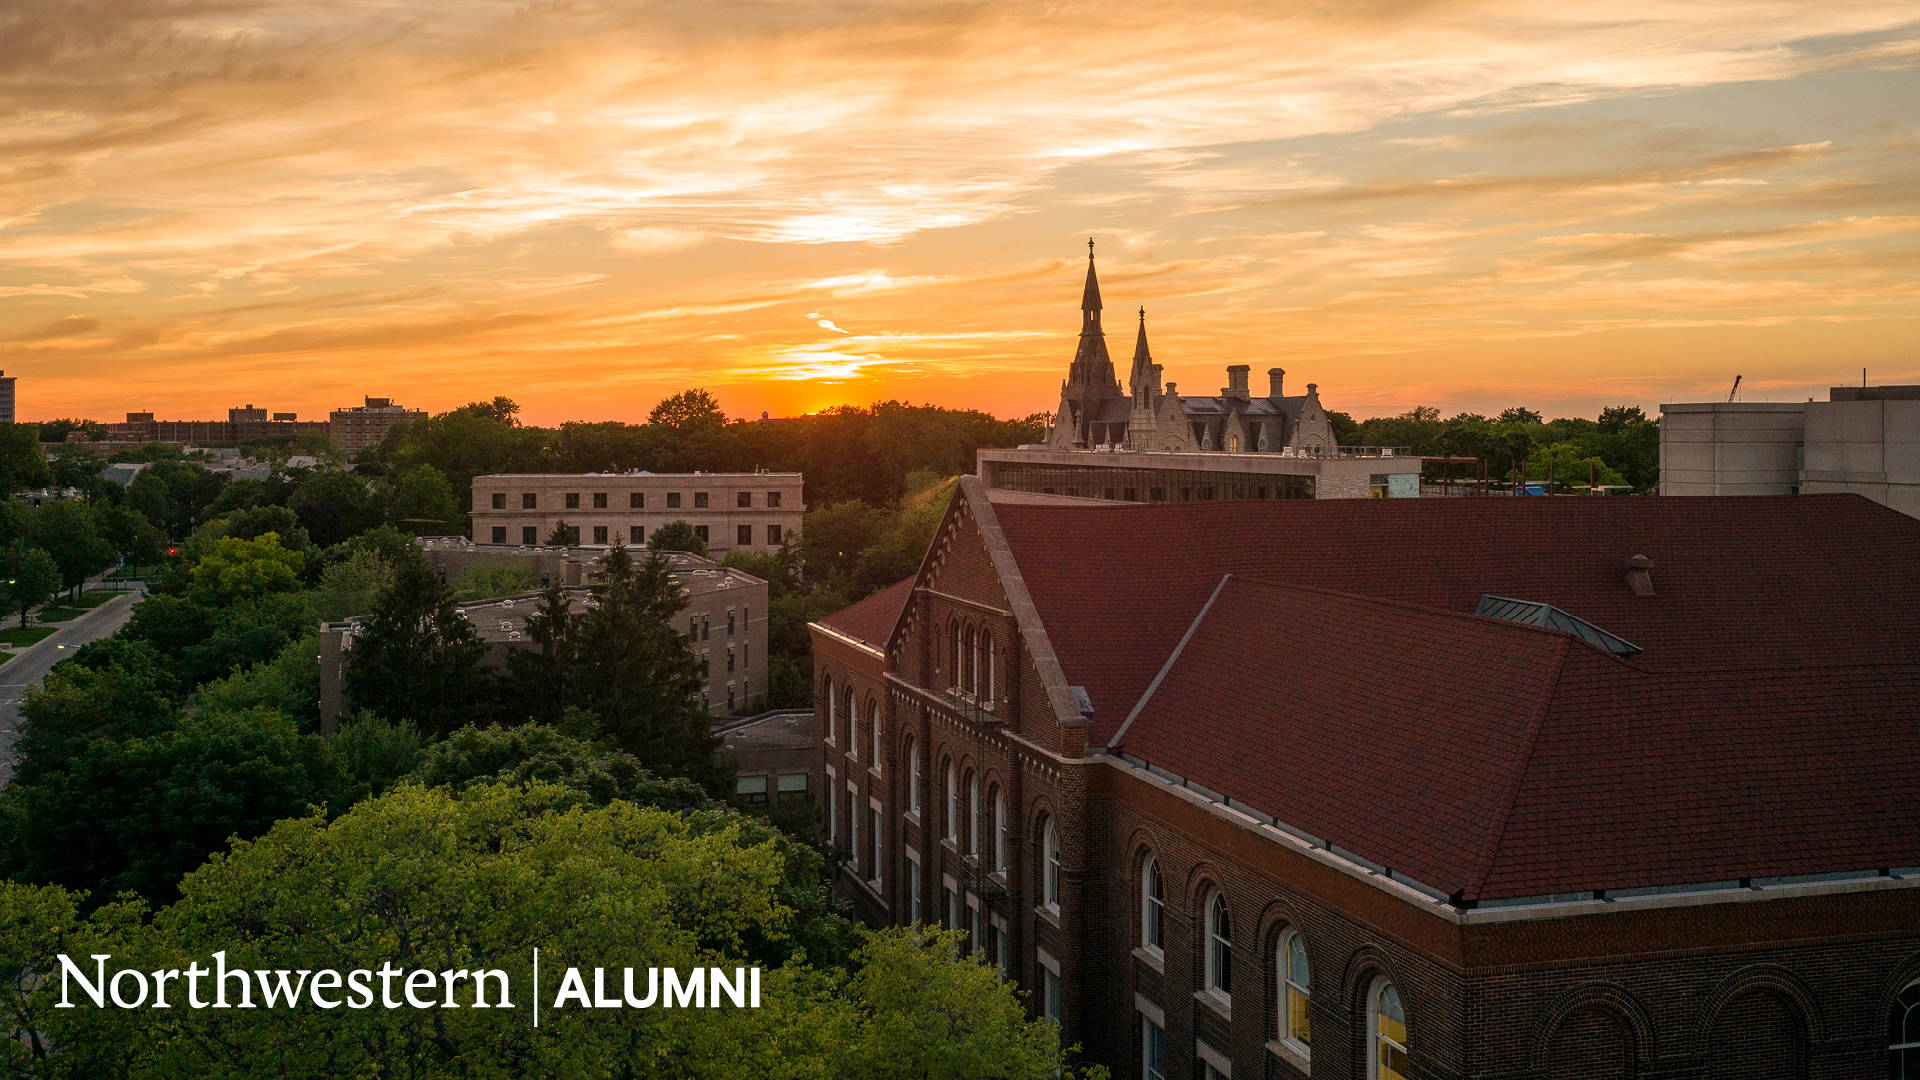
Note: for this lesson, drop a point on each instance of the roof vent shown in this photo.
(1640, 575)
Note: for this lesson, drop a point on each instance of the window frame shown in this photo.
(1287, 983)
(1049, 865)
(1376, 1038)
(1217, 943)
(1153, 906)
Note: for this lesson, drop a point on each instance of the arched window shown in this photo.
(970, 677)
(873, 721)
(986, 664)
(833, 708)
(1903, 1035)
(1290, 964)
(999, 830)
(913, 776)
(973, 815)
(1219, 959)
(1049, 865)
(1386, 1033)
(1153, 905)
(953, 802)
(853, 723)
(953, 653)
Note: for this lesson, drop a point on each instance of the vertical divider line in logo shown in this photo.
(536, 986)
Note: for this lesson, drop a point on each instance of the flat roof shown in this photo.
(641, 475)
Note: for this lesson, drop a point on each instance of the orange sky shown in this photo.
(587, 206)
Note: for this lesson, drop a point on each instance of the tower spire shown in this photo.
(1090, 300)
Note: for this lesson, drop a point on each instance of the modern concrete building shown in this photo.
(755, 511)
(7, 387)
(1863, 439)
(725, 621)
(361, 426)
(1448, 789)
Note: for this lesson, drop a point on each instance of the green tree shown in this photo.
(677, 536)
(68, 532)
(417, 659)
(1518, 415)
(689, 412)
(533, 752)
(833, 537)
(423, 503)
(493, 577)
(1616, 418)
(23, 465)
(114, 690)
(333, 505)
(563, 535)
(32, 577)
(636, 672)
(241, 569)
(349, 585)
(78, 467)
(538, 678)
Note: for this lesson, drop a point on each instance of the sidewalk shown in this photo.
(31, 663)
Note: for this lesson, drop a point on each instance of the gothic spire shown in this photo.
(1140, 353)
(1090, 301)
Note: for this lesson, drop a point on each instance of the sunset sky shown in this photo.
(588, 204)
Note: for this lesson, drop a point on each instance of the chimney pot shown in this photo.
(1275, 377)
(1640, 575)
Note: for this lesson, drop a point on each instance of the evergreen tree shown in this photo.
(538, 676)
(635, 672)
(416, 658)
(677, 536)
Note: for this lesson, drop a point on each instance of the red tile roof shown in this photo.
(1770, 728)
(872, 620)
(1495, 760)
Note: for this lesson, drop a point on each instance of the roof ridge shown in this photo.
(1172, 658)
(1490, 848)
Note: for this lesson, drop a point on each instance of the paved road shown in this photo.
(31, 664)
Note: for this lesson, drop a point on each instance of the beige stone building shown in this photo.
(755, 511)
(361, 426)
(1863, 439)
(725, 620)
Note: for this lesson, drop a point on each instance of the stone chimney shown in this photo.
(1275, 377)
(1236, 382)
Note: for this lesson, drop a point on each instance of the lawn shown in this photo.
(58, 614)
(5, 656)
(18, 636)
(93, 598)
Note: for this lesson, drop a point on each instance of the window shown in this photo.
(743, 535)
(1049, 993)
(499, 534)
(773, 535)
(673, 500)
(773, 499)
(636, 500)
(913, 891)
(1049, 866)
(529, 501)
(953, 909)
(999, 831)
(913, 776)
(986, 663)
(1291, 965)
(853, 721)
(600, 534)
(1153, 906)
(573, 500)
(701, 532)
(1153, 1050)
(729, 658)
(699, 500)
(875, 856)
(878, 728)
(1219, 938)
(1386, 1033)
(953, 803)
(1903, 1035)
(969, 678)
(853, 829)
(833, 708)
(729, 622)
(751, 790)
(953, 654)
(973, 816)
(744, 500)
(499, 500)
(833, 812)
(599, 500)
(706, 631)
(636, 534)
(791, 786)
(975, 939)
(529, 535)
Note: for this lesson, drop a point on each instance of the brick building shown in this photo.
(756, 511)
(358, 427)
(1425, 788)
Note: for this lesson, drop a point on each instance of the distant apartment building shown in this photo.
(6, 397)
(362, 426)
(1863, 439)
(243, 425)
(755, 511)
(725, 620)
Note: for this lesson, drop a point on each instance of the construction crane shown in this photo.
(1736, 388)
